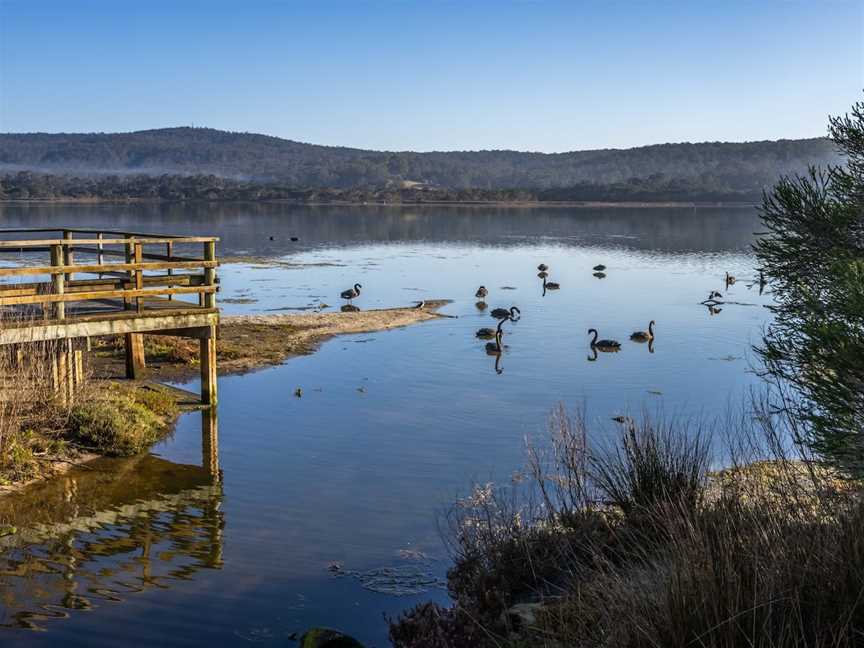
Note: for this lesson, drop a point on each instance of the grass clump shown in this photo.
(642, 545)
(119, 420)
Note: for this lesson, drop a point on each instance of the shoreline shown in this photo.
(250, 343)
(528, 204)
(247, 343)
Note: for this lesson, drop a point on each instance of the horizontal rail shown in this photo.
(116, 281)
(106, 267)
(123, 241)
(104, 294)
(144, 255)
(81, 230)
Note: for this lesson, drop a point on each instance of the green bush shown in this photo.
(122, 421)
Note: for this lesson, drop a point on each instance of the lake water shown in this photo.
(392, 426)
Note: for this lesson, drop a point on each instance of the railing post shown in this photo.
(100, 256)
(68, 253)
(130, 254)
(210, 274)
(58, 280)
(169, 252)
(139, 275)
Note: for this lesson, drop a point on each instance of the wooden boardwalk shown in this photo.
(66, 286)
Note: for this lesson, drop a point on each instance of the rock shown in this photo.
(522, 615)
(327, 638)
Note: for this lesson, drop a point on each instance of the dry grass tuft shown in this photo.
(642, 546)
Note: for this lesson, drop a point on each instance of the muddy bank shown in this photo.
(248, 342)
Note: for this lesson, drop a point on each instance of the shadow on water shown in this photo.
(107, 530)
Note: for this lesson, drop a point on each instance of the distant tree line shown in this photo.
(712, 167)
(27, 185)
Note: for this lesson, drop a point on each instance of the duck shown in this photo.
(351, 293)
(730, 279)
(715, 294)
(599, 267)
(542, 274)
(481, 292)
(644, 336)
(542, 267)
(603, 345)
(504, 313)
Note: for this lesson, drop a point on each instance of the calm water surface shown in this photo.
(391, 426)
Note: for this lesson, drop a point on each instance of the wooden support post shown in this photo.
(207, 346)
(69, 376)
(62, 383)
(58, 280)
(135, 362)
(79, 367)
(210, 274)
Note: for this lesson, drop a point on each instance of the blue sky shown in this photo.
(540, 75)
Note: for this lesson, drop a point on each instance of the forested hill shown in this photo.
(724, 168)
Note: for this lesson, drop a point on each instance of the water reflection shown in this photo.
(267, 229)
(107, 530)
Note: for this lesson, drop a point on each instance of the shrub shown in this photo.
(641, 546)
(121, 421)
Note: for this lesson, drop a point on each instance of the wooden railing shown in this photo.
(150, 274)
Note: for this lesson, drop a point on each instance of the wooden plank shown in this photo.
(194, 333)
(186, 310)
(108, 267)
(121, 283)
(104, 294)
(25, 243)
(104, 326)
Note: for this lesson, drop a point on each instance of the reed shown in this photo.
(642, 545)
